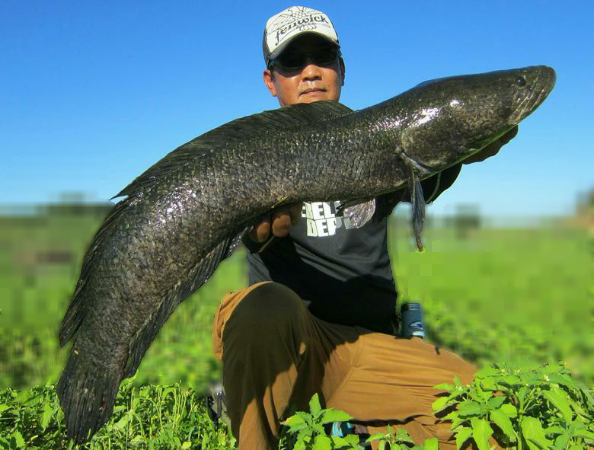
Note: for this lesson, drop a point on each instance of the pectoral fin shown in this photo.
(358, 212)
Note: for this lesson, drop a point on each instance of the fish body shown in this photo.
(185, 214)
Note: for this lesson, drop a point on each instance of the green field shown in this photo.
(493, 295)
(497, 295)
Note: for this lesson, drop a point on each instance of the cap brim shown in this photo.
(284, 45)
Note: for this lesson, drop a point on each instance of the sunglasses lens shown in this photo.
(296, 60)
(324, 55)
(291, 60)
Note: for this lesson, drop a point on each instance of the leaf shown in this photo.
(314, 405)
(444, 387)
(349, 441)
(322, 442)
(47, 415)
(558, 398)
(431, 444)
(522, 393)
(403, 436)
(375, 436)
(562, 440)
(555, 430)
(534, 434)
(18, 439)
(488, 384)
(470, 408)
(120, 424)
(584, 434)
(510, 410)
(563, 380)
(439, 404)
(487, 372)
(295, 423)
(495, 402)
(481, 432)
(186, 445)
(318, 428)
(462, 436)
(352, 439)
(23, 397)
(512, 380)
(502, 421)
(479, 395)
(332, 415)
(3, 408)
(300, 444)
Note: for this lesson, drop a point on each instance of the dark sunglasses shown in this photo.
(291, 60)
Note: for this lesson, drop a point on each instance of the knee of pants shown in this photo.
(269, 309)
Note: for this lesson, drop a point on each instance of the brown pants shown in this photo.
(276, 355)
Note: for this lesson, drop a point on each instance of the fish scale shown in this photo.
(185, 214)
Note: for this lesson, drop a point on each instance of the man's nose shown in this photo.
(311, 69)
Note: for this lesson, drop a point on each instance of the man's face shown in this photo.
(309, 84)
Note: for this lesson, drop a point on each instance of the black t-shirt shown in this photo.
(344, 272)
(337, 269)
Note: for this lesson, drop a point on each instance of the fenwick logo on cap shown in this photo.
(295, 20)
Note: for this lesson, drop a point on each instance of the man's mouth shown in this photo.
(312, 90)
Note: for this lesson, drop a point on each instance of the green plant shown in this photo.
(400, 441)
(149, 417)
(309, 431)
(522, 408)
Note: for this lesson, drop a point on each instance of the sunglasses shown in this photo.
(292, 61)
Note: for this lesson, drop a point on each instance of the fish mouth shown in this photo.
(543, 85)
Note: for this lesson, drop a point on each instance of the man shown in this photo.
(319, 315)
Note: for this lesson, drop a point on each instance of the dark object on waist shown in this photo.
(412, 321)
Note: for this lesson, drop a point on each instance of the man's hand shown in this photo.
(279, 222)
(493, 148)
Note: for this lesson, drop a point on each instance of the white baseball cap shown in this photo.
(285, 26)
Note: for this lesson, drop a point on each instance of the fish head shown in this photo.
(453, 118)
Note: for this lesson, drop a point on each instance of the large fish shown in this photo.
(186, 213)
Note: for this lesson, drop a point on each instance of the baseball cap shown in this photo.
(285, 26)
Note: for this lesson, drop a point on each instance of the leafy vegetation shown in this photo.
(524, 408)
(149, 417)
(491, 295)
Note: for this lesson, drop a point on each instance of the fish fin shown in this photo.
(76, 310)
(358, 212)
(87, 395)
(199, 275)
(418, 208)
(237, 130)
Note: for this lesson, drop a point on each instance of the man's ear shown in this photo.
(342, 70)
(269, 81)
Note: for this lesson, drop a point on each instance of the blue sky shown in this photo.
(93, 93)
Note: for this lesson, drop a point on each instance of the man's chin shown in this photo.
(315, 96)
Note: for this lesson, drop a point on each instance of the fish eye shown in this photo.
(520, 81)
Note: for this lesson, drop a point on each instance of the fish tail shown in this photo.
(87, 395)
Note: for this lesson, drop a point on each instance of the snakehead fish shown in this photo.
(184, 215)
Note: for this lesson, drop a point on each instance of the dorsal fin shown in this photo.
(236, 131)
